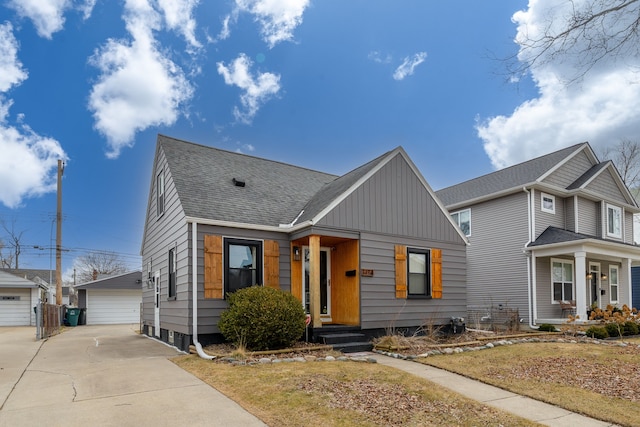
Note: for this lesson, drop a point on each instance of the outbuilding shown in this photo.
(112, 300)
(18, 296)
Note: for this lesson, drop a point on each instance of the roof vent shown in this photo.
(238, 182)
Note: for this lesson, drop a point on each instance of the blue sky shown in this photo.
(326, 85)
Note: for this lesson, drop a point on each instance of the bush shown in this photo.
(262, 318)
(614, 329)
(597, 332)
(546, 327)
(631, 328)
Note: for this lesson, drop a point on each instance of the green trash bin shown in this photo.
(72, 316)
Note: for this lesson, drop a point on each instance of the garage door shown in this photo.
(15, 307)
(106, 307)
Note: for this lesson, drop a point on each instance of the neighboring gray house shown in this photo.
(556, 228)
(18, 296)
(370, 250)
(112, 300)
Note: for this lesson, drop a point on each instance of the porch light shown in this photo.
(296, 253)
(603, 276)
(589, 276)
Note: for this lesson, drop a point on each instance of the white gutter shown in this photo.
(194, 290)
(530, 296)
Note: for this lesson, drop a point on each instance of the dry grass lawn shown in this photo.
(601, 381)
(342, 394)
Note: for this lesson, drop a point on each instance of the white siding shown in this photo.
(113, 306)
(15, 312)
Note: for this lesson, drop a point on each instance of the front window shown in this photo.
(614, 221)
(172, 273)
(242, 264)
(463, 219)
(547, 203)
(419, 273)
(613, 283)
(562, 279)
(160, 193)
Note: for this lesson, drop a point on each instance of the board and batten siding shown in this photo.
(393, 201)
(497, 264)
(210, 309)
(570, 171)
(379, 306)
(168, 230)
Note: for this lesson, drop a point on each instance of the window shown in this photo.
(172, 273)
(547, 203)
(613, 283)
(160, 193)
(614, 221)
(463, 219)
(419, 280)
(562, 280)
(242, 264)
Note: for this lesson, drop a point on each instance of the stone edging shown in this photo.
(302, 359)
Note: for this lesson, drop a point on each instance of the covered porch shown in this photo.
(573, 274)
(325, 277)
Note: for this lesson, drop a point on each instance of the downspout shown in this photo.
(530, 295)
(194, 290)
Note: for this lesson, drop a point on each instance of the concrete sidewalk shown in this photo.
(104, 376)
(524, 407)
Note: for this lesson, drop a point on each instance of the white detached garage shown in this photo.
(18, 296)
(112, 300)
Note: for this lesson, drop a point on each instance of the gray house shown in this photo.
(112, 300)
(548, 236)
(368, 250)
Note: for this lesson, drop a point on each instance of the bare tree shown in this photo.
(92, 264)
(6, 260)
(584, 34)
(626, 156)
(14, 237)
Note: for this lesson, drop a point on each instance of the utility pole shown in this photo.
(59, 236)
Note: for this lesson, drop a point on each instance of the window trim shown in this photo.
(552, 198)
(616, 285)
(457, 219)
(259, 244)
(573, 281)
(428, 293)
(172, 284)
(160, 193)
(618, 210)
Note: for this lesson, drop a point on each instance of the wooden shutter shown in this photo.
(401, 271)
(436, 273)
(272, 264)
(213, 267)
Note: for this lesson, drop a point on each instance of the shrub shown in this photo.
(614, 329)
(262, 318)
(546, 327)
(631, 328)
(597, 332)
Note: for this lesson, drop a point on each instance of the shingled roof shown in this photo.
(505, 179)
(273, 192)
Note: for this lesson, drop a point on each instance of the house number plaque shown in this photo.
(366, 273)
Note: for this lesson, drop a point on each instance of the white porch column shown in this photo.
(625, 273)
(581, 285)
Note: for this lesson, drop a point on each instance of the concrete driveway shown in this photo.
(104, 376)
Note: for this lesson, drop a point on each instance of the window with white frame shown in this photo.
(562, 280)
(463, 219)
(547, 203)
(614, 221)
(160, 193)
(613, 283)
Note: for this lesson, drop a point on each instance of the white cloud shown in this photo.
(377, 56)
(409, 65)
(47, 15)
(178, 15)
(87, 8)
(29, 161)
(245, 148)
(602, 108)
(257, 90)
(277, 18)
(11, 71)
(138, 87)
(28, 165)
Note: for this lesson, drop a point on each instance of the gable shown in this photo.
(568, 172)
(395, 201)
(605, 184)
